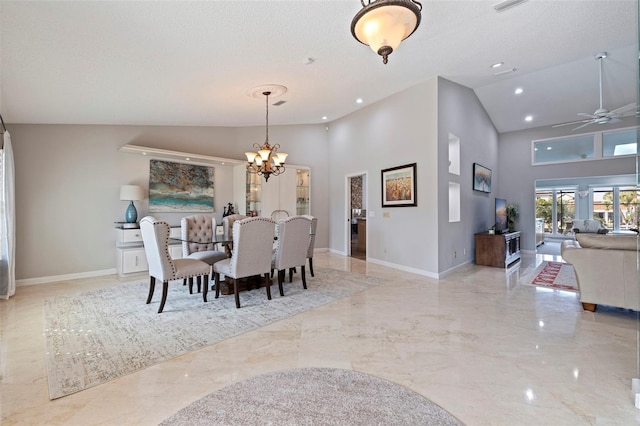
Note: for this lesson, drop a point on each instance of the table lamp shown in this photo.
(131, 193)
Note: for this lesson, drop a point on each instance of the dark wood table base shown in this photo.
(250, 283)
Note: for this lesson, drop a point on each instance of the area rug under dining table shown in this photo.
(100, 335)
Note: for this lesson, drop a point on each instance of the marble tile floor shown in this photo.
(488, 349)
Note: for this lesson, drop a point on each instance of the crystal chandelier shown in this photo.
(266, 161)
(383, 24)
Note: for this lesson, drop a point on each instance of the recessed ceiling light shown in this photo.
(528, 118)
(187, 158)
(497, 65)
(359, 101)
(324, 117)
(518, 91)
(548, 148)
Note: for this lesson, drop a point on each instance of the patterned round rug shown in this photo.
(313, 396)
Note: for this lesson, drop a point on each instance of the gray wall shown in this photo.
(461, 113)
(68, 179)
(399, 130)
(517, 176)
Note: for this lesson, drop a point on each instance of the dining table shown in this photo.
(224, 239)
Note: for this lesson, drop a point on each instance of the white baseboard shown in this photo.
(404, 268)
(66, 277)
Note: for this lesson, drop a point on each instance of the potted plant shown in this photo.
(513, 211)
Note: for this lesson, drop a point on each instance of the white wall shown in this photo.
(517, 175)
(68, 179)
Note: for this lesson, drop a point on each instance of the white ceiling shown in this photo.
(191, 63)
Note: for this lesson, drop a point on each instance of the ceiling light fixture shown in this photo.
(497, 65)
(266, 161)
(383, 24)
(518, 91)
(359, 101)
(528, 118)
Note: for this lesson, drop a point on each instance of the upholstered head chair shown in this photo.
(155, 236)
(197, 240)
(251, 253)
(292, 246)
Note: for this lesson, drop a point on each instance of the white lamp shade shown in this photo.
(131, 193)
(250, 156)
(385, 26)
(264, 153)
(282, 157)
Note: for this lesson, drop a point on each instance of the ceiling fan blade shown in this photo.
(624, 109)
(584, 125)
(584, 114)
(613, 120)
(572, 122)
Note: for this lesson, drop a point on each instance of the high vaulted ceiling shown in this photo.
(191, 63)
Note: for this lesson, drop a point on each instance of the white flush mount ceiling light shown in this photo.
(266, 161)
(528, 118)
(497, 65)
(383, 24)
(507, 4)
(518, 91)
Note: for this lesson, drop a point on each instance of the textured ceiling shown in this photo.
(191, 63)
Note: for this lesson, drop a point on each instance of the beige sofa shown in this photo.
(606, 269)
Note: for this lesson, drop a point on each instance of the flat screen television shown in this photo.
(501, 225)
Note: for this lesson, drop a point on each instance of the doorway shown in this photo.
(357, 215)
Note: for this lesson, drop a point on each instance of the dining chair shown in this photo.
(312, 241)
(155, 237)
(197, 242)
(250, 256)
(279, 215)
(227, 222)
(292, 245)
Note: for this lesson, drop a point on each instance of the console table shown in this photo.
(499, 250)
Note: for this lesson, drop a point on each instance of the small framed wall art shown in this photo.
(399, 186)
(481, 178)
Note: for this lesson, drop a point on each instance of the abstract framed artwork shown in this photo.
(481, 178)
(179, 187)
(399, 188)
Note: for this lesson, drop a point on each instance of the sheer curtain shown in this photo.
(7, 221)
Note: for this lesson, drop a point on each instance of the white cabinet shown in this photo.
(130, 256)
(175, 251)
(131, 260)
(289, 191)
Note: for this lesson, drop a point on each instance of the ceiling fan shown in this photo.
(602, 115)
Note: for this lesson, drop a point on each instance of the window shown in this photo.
(617, 207)
(618, 143)
(591, 146)
(576, 148)
(557, 208)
